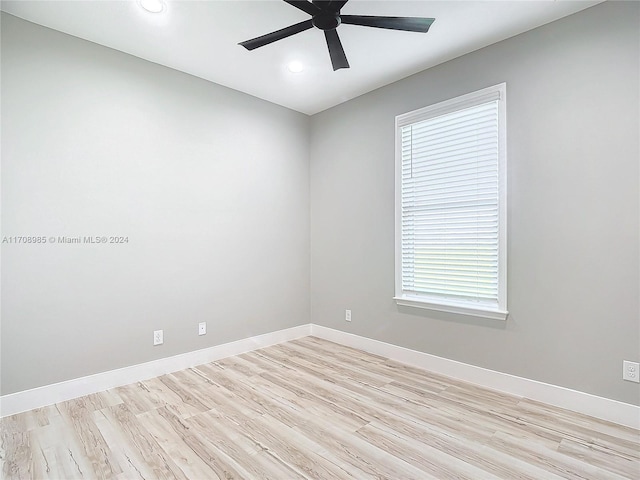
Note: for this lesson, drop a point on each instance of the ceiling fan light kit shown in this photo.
(325, 16)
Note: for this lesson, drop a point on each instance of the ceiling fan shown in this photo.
(325, 15)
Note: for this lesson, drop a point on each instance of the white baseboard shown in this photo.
(599, 407)
(59, 392)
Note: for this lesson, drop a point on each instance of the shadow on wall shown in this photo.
(452, 317)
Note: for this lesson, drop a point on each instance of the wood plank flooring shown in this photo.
(311, 409)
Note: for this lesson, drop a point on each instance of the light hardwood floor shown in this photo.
(311, 409)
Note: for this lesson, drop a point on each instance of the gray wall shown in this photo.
(573, 246)
(210, 185)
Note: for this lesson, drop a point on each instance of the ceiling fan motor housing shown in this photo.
(326, 21)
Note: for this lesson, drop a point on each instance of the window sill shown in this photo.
(483, 312)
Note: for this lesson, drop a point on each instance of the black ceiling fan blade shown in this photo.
(277, 35)
(410, 24)
(336, 52)
(331, 5)
(336, 6)
(305, 6)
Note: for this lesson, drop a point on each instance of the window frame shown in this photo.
(442, 304)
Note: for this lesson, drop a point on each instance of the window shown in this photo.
(451, 206)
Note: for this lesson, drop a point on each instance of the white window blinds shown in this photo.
(451, 204)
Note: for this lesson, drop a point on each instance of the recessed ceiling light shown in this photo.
(295, 67)
(153, 6)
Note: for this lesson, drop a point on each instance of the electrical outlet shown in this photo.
(158, 337)
(631, 371)
(202, 328)
(347, 315)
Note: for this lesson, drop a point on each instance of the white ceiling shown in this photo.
(201, 38)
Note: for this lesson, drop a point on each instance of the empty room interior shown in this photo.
(263, 240)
